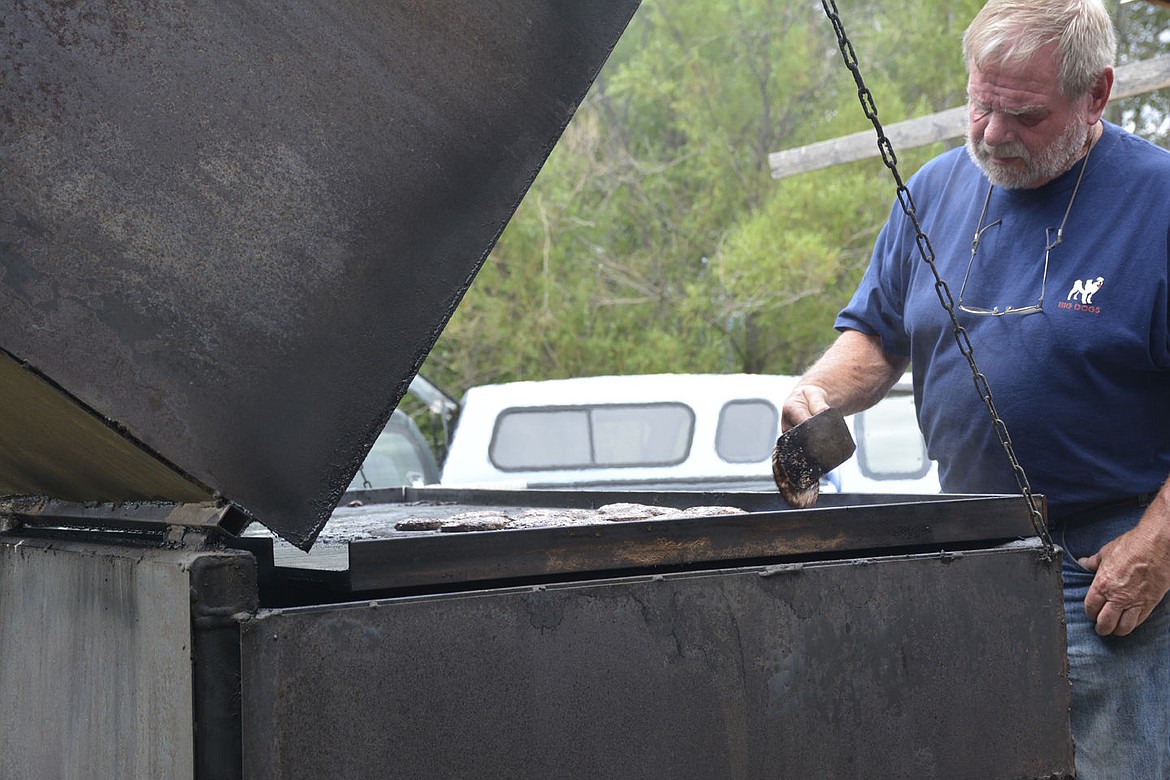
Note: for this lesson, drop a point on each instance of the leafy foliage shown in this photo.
(655, 240)
(1143, 33)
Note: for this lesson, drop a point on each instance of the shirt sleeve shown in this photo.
(878, 305)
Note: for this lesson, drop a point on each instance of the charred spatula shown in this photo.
(807, 452)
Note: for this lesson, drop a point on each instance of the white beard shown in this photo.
(1052, 161)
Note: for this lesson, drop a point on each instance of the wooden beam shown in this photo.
(1136, 78)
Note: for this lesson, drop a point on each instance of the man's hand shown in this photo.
(803, 403)
(1132, 574)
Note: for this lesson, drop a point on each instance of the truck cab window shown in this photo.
(889, 445)
(746, 431)
(657, 434)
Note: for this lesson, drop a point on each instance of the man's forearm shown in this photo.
(852, 375)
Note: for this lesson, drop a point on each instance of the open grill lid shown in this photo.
(231, 232)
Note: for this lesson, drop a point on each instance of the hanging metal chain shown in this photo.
(940, 286)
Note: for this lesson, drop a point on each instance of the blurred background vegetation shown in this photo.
(655, 240)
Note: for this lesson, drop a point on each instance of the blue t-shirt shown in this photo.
(1083, 387)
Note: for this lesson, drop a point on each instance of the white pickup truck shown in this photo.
(667, 431)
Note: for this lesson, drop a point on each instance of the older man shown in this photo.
(1052, 230)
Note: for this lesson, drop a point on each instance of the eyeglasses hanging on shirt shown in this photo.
(1052, 239)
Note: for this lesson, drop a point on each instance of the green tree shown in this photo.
(1143, 33)
(655, 240)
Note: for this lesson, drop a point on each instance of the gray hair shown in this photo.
(1010, 31)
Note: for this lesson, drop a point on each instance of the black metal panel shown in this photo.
(35, 511)
(919, 666)
(223, 592)
(435, 558)
(236, 228)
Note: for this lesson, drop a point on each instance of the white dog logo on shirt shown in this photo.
(1085, 289)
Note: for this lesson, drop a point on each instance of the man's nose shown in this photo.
(998, 129)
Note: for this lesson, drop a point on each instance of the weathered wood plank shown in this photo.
(1136, 78)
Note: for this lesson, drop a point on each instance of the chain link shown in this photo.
(940, 286)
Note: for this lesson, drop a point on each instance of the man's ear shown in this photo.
(1099, 95)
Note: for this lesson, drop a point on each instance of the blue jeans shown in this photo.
(1120, 684)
